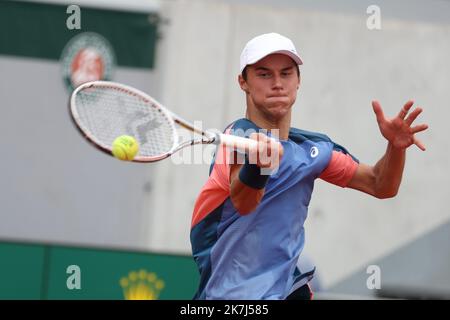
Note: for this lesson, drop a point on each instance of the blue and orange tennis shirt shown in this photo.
(254, 256)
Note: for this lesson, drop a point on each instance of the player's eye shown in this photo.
(264, 75)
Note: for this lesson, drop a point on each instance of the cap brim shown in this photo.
(290, 54)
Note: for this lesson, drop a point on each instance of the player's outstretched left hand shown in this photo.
(399, 130)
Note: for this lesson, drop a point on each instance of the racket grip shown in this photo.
(240, 143)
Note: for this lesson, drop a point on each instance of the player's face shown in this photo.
(272, 85)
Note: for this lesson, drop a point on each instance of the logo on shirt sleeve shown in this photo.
(314, 152)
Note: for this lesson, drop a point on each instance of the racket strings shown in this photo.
(105, 113)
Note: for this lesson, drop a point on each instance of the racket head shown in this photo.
(105, 110)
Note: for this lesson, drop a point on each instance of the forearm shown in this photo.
(244, 198)
(388, 172)
(248, 180)
(247, 187)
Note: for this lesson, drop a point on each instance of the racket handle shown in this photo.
(242, 144)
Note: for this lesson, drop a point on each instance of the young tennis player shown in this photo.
(247, 226)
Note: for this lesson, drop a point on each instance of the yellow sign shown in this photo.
(141, 285)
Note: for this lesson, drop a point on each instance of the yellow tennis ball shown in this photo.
(125, 148)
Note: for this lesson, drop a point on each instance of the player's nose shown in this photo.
(277, 84)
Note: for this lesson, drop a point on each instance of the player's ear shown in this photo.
(243, 83)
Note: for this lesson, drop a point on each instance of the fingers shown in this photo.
(378, 111)
(261, 138)
(419, 128)
(413, 115)
(410, 119)
(416, 129)
(269, 151)
(402, 114)
(419, 144)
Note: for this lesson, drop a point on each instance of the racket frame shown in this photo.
(207, 137)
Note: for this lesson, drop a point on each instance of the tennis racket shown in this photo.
(105, 110)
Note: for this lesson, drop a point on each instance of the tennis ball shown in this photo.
(125, 148)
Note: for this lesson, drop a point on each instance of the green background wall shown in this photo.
(35, 271)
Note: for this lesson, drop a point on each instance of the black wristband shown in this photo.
(250, 175)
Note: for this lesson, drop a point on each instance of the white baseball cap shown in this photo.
(265, 44)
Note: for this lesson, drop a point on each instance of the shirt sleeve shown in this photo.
(340, 169)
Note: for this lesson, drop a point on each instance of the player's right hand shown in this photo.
(269, 152)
